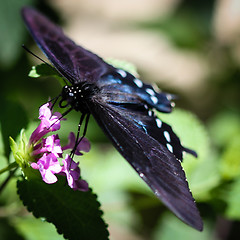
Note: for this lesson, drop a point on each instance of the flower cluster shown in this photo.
(46, 152)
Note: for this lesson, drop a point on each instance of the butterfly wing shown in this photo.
(75, 63)
(123, 92)
(158, 167)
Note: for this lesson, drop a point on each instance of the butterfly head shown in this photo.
(76, 95)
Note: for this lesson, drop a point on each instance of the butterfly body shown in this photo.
(124, 107)
(77, 96)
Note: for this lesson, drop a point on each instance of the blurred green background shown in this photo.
(186, 47)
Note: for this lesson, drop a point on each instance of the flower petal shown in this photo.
(48, 165)
(72, 172)
(84, 145)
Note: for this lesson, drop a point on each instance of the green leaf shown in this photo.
(190, 130)
(169, 227)
(75, 214)
(45, 70)
(42, 69)
(223, 135)
(205, 177)
(230, 161)
(33, 73)
(232, 198)
(192, 134)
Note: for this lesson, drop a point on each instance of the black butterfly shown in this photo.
(123, 107)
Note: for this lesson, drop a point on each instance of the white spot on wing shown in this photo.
(150, 113)
(170, 148)
(167, 136)
(122, 73)
(169, 97)
(141, 175)
(154, 99)
(150, 91)
(159, 123)
(172, 104)
(138, 82)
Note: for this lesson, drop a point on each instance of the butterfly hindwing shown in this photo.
(145, 118)
(136, 102)
(128, 83)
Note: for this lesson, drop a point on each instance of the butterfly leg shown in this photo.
(79, 139)
(85, 129)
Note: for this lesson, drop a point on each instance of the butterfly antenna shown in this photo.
(29, 51)
(36, 56)
(63, 115)
(53, 101)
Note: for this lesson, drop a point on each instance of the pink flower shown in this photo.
(84, 145)
(47, 151)
(50, 144)
(48, 166)
(49, 122)
(72, 172)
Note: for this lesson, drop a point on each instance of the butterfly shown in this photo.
(124, 107)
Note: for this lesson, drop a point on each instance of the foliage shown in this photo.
(73, 213)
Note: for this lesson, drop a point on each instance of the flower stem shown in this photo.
(11, 173)
(9, 167)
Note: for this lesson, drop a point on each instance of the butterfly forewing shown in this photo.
(153, 162)
(75, 63)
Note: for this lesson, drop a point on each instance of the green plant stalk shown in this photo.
(9, 167)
